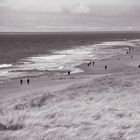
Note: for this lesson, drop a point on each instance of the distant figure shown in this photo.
(129, 49)
(28, 81)
(105, 67)
(88, 64)
(21, 81)
(127, 52)
(93, 63)
(68, 72)
(131, 56)
(139, 66)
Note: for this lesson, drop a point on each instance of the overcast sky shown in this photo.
(90, 15)
(58, 5)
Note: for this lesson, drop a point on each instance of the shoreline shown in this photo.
(13, 89)
(60, 72)
(38, 72)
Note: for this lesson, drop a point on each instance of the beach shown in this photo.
(34, 54)
(99, 103)
(116, 64)
(69, 70)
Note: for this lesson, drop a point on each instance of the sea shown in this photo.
(34, 54)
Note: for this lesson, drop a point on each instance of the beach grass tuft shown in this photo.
(37, 101)
(12, 122)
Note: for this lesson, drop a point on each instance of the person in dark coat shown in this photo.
(68, 72)
(21, 81)
(105, 67)
(28, 81)
(93, 63)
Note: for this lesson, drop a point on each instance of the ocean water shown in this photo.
(34, 54)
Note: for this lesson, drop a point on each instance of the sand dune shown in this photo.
(106, 108)
(98, 104)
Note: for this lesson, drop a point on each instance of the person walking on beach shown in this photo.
(68, 72)
(28, 81)
(105, 67)
(21, 81)
(93, 63)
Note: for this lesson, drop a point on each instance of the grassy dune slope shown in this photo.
(105, 108)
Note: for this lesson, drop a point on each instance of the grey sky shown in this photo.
(69, 15)
(59, 5)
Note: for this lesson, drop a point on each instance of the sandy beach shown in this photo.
(69, 70)
(97, 104)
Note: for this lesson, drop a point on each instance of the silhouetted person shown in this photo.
(93, 63)
(68, 72)
(105, 67)
(21, 81)
(139, 66)
(127, 52)
(88, 64)
(28, 81)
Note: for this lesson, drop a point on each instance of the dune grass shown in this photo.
(37, 101)
(12, 121)
(105, 108)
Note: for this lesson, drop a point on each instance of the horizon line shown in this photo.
(63, 32)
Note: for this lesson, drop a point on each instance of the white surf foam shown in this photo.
(5, 65)
(70, 58)
(64, 60)
(117, 43)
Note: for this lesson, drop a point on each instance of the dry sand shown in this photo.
(39, 84)
(98, 104)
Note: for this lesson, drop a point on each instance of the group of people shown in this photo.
(21, 81)
(130, 48)
(89, 64)
(93, 63)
